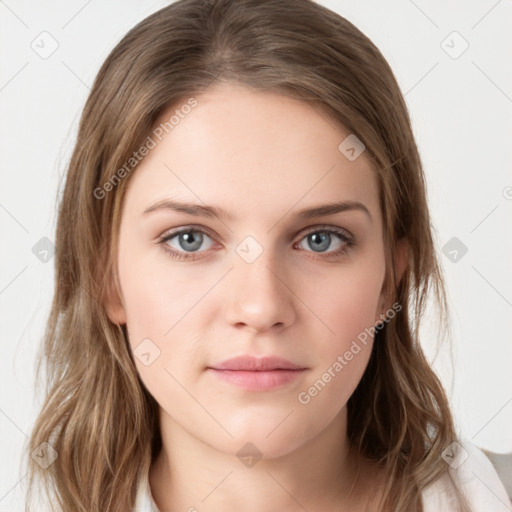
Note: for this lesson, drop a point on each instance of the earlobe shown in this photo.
(401, 261)
(116, 313)
(113, 304)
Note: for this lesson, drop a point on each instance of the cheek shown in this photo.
(348, 303)
(156, 298)
(166, 312)
(165, 351)
(161, 314)
(328, 390)
(348, 308)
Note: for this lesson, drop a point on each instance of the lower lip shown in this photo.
(258, 380)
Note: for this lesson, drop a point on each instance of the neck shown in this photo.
(191, 475)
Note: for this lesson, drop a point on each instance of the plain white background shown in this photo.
(460, 103)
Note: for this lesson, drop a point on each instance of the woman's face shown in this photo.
(261, 277)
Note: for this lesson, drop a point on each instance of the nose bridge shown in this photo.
(259, 296)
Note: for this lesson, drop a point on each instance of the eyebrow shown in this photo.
(212, 211)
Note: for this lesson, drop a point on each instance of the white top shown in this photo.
(473, 471)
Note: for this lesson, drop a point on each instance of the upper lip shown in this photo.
(250, 363)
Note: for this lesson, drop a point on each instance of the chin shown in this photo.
(261, 442)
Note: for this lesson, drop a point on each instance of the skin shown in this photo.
(262, 157)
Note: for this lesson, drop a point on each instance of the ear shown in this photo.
(112, 302)
(401, 258)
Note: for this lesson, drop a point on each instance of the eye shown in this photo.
(182, 244)
(322, 238)
(187, 239)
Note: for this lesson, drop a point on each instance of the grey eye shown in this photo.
(187, 240)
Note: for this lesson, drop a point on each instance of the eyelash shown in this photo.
(329, 256)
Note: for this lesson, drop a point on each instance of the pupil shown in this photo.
(322, 238)
(188, 238)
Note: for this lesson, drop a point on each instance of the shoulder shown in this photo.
(471, 470)
(475, 476)
(144, 500)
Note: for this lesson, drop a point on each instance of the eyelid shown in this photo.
(347, 239)
(169, 233)
(342, 233)
(327, 227)
(304, 231)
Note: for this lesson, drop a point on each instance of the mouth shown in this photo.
(257, 374)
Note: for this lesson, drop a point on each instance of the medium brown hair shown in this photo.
(97, 414)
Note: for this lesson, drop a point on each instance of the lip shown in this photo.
(257, 374)
(251, 363)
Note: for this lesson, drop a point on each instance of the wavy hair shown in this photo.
(97, 415)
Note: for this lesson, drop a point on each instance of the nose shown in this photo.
(260, 295)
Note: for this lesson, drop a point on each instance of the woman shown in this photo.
(249, 370)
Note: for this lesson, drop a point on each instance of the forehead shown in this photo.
(248, 150)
